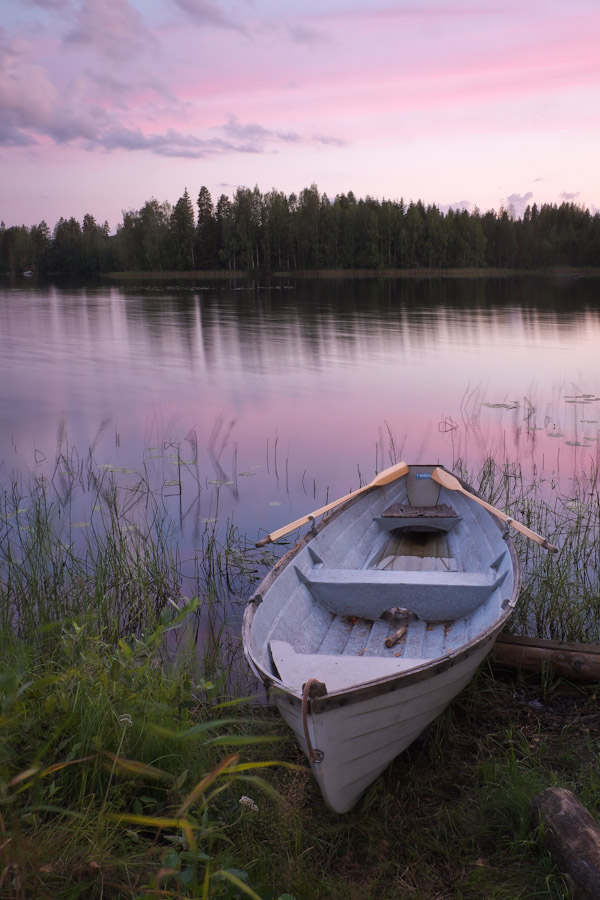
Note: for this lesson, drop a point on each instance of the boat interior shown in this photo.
(408, 574)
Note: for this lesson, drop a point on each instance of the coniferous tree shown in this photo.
(226, 235)
(206, 232)
(41, 246)
(183, 233)
(274, 232)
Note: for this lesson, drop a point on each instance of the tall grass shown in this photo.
(560, 598)
(117, 779)
(87, 544)
(121, 771)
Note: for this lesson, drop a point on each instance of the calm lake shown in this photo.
(264, 402)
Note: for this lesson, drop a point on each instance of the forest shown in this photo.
(271, 232)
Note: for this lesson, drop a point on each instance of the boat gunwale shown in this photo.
(388, 683)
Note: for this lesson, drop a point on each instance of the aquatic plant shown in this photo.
(560, 598)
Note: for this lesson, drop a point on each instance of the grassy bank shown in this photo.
(131, 766)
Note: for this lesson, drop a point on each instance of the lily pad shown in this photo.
(554, 434)
(576, 506)
(274, 503)
(513, 405)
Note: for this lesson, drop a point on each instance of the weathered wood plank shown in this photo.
(578, 662)
(572, 836)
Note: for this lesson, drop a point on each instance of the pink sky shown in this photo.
(107, 103)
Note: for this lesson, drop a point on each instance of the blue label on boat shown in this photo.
(423, 475)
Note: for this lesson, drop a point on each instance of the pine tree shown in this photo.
(183, 233)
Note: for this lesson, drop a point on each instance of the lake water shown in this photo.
(264, 402)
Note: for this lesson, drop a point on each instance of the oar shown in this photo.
(453, 484)
(385, 477)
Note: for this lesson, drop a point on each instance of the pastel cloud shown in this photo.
(255, 134)
(205, 12)
(331, 86)
(114, 28)
(516, 204)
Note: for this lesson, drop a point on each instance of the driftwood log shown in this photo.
(572, 836)
(578, 662)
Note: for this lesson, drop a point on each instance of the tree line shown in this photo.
(272, 232)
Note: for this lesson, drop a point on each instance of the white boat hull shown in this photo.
(356, 743)
(322, 630)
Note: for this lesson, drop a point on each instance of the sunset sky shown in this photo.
(107, 103)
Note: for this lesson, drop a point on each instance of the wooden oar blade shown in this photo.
(392, 474)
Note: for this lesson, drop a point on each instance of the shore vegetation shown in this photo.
(138, 759)
(272, 232)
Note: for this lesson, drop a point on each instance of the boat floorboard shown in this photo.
(353, 636)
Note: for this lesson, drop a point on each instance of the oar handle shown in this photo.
(275, 535)
(451, 483)
(542, 541)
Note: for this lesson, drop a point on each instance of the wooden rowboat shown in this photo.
(366, 630)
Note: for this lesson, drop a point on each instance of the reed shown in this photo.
(560, 598)
(123, 750)
(81, 545)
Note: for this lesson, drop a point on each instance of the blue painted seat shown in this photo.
(432, 595)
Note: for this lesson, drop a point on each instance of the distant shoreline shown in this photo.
(238, 274)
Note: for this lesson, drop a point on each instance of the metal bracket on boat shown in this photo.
(506, 532)
(313, 525)
(312, 689)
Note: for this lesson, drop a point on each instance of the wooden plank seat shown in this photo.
(337, 672)
(432, 595)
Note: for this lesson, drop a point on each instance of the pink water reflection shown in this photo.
(299, 393)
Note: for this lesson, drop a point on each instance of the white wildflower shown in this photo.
(126, 719)
(246, 801)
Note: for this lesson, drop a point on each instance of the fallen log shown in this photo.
(578, 662)
(572, 836)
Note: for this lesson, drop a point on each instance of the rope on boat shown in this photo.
(312, 753)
